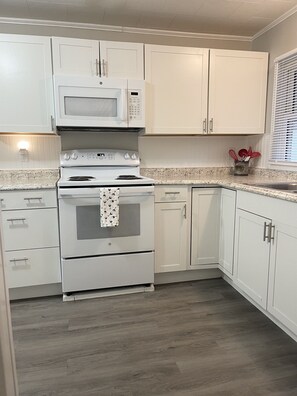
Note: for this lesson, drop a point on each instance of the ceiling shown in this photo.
(231, 17)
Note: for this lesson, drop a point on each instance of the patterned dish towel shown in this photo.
(109, 206)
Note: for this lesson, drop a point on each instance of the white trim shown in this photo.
(286, 55)
(276, 22)
(121, 29)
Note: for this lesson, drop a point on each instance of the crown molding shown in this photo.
(276, 22)
(121, 29)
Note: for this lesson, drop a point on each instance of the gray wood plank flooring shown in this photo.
(194, 338)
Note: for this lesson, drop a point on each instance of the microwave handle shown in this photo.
(124, 99)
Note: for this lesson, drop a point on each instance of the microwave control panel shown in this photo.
(135, 105)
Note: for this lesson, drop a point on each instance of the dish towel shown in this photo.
(109, 206)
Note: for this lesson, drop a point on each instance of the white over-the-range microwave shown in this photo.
(92, 102)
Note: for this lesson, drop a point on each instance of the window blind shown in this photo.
(284, 116)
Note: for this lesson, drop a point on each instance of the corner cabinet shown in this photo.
(205, 227)
(227, 225)
(237, 92)
(177, 79)
(26, 100)
(102, 58)
(172, 220)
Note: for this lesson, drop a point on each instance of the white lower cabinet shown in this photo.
(265, 258)
(205, 227)
(171, 229)
(227, 224)
(33, 267)
(31, 237)
(252, 251)
(282, 291)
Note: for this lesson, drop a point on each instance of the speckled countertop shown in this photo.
(222, 177)
(47, 178)
(29, 179)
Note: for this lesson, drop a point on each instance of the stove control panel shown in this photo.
(99, 158)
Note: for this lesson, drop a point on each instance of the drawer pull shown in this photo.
(36, 198)
(14, 260)
(172, 192)
(20, 219)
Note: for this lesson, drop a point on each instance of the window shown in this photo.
(284, 117)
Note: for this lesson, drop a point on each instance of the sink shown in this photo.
(283, 186)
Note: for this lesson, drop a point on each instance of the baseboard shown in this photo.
(184, 276)
(21, 293)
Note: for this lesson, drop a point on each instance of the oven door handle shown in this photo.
(94, 192)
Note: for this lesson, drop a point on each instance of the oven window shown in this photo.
(90, 107)
(88, 222)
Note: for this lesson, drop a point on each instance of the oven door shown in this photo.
(90, 102)
(80, 231)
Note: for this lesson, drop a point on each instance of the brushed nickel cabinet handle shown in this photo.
(52, 123)
(204, 125)
(185, 211)
(271, 232)
(171, 192)
(265, 235)
(97, 68)
(19, 259)
(17, 219)
(32, 198)
(211, 125)
(104, 68)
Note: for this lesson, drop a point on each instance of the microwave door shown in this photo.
(91, 106)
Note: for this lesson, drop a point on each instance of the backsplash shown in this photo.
(43, 152)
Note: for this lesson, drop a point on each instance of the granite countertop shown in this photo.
(222, 177)
(31, 179)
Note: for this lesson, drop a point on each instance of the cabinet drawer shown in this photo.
(30, 229)
(32, 267)
(29, 199)
(171, 193)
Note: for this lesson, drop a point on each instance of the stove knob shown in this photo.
(133, 156)
(127, 156)
(74, 156)
(66, 156)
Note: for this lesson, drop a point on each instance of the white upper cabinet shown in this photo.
(75, 56)
(26, 99)
(177, 80)
(201, 91)
(91, 57)
(121, 60)
(237, 92)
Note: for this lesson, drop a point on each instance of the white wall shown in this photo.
(43, 152)
(188, 151)
(279, 40)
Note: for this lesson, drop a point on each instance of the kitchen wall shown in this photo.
(277, 41)
(154, 151)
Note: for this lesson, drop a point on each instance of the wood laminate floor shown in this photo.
(195, 338)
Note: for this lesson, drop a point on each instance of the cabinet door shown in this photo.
(205, 227)
(26, 101)
(171, 245)
(121, 60)
(237, 92)
(251, 255)
(282, 294)
(227, 228)
(75, 56)
(177, 89)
